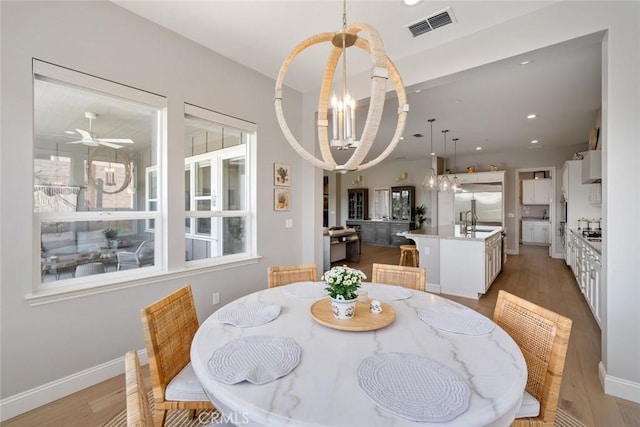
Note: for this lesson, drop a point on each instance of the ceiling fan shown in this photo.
(89, 139)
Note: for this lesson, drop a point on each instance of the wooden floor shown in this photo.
(531, 275)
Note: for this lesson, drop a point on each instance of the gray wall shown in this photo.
(44, 343)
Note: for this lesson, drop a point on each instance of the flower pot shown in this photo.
(342, 308)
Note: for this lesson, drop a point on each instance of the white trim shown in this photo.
(436, 289)
(25, 401)
(70, 292)
(618, 387)
(223, 119)
(47, 71)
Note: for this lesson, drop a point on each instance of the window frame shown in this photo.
(64, 76)
(217, 158)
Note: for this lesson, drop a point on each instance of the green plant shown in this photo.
(343, 281)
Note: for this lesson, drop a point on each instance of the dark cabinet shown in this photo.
(367, 232)
(403, 203)
(382, 233)
(358, 203)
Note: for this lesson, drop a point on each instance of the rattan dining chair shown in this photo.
(169, 326)
(138, 410)
(408, 277)
(542, 336)
(284, 275)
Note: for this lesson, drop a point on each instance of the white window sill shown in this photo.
(141, 277)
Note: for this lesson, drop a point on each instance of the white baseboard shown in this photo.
(618, 387)
(433, 288)
(25, 401)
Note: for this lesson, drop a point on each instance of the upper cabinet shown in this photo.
(592, 167)
(403, 203)
(536, 191)
(358, 203)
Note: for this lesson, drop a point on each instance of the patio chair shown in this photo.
(142, 256)
(169, 326)
(138, 410)
(89, 269)
(284, 275)
(543, 337)
(400, 275)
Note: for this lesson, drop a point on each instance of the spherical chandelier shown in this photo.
(343, 109)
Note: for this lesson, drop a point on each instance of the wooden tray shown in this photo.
(363, 320)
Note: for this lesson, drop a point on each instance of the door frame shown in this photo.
(551, 170)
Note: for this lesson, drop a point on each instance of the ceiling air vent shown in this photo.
(432, 22)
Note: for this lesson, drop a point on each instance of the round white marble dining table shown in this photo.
(323, 389)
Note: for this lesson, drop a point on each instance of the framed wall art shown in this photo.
(281, 174)
(281, 199)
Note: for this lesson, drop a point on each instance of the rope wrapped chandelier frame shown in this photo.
(382, 69)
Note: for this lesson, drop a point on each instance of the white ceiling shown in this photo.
(483, 107)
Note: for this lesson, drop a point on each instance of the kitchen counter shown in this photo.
(456, 263)
(453, 232)
(530, 219)
(596, 246)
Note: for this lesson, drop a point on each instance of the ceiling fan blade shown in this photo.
(118, 140)
(108, 144)
(84, 134)
(75, 142)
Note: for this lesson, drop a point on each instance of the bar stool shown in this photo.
(406, 250)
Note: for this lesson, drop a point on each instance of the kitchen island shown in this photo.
(457, 263)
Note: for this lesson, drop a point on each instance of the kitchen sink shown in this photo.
(483, 230)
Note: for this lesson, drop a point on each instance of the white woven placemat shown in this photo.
(456, 320)
(305, 290)
(413, 387)
(386, 292)
(257, 359)
(243, 314)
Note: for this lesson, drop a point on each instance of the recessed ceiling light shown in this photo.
(433, 154)
(531, 116)
(478, 148)
(528, 61)
(418, 90)
(535, 141)
(410, 2)
(402, 137)
(70, 132)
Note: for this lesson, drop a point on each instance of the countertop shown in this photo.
(532, 219)
(596, 246)
(453, 232)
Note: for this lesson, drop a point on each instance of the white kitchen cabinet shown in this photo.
(586, 265)
(469, 267)
(535, 232)
(536, 191)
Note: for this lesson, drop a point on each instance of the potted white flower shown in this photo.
(342, 285)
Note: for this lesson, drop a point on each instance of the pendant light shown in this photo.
(445, 182)
(383, 71)
(431, 180)
(455, 184)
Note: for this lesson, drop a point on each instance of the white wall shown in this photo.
(42, 344)
(621, 67)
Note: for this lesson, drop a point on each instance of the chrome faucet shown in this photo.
(470, 221)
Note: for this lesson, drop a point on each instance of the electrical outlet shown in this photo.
(288, 223)
(216, 298)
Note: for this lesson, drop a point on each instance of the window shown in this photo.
(94, 141)
(217, 186)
